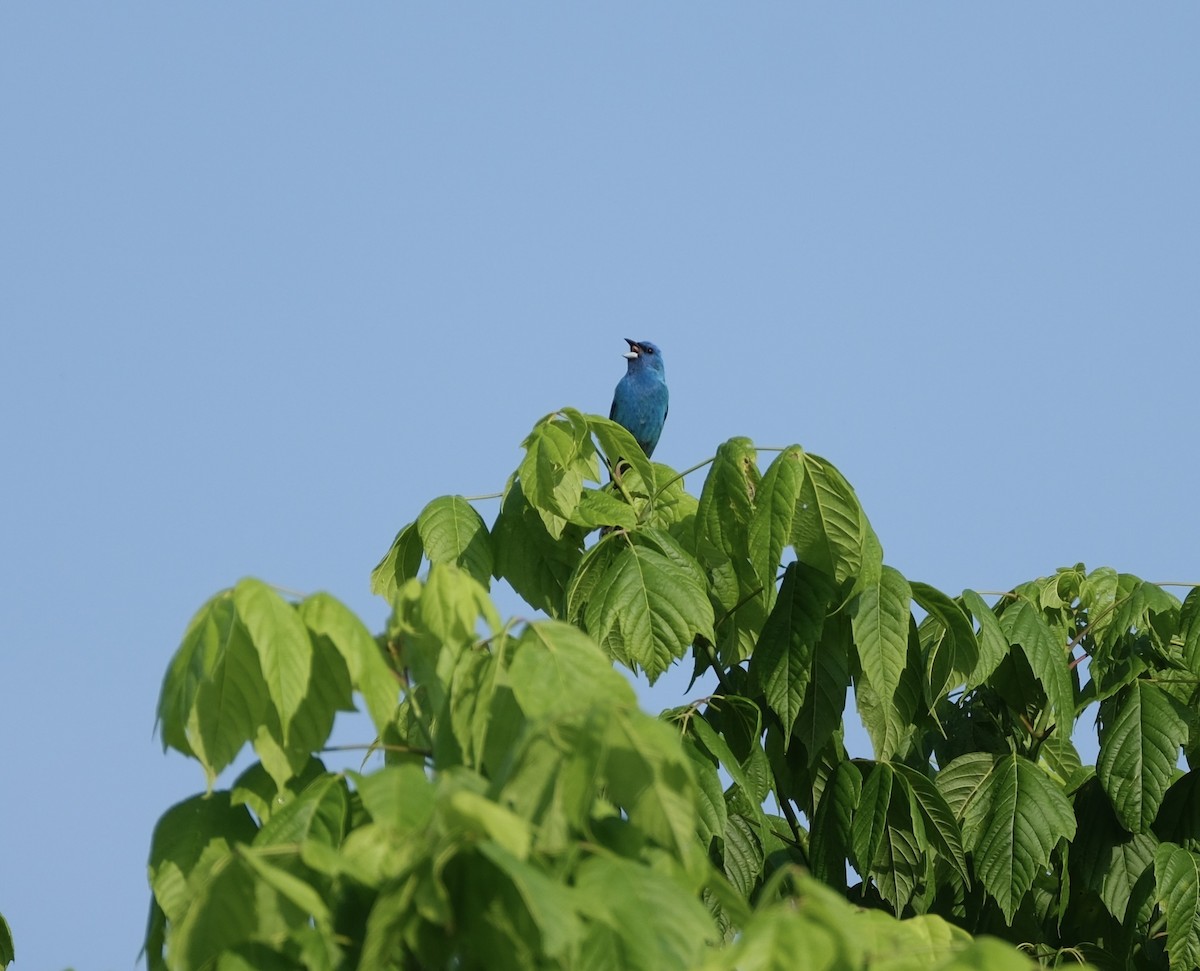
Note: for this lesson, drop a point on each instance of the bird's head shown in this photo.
(643, 355)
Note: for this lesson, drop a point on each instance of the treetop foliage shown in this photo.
(527, 814)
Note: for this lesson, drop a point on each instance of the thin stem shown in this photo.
(380, 746)
(489, 495)
(680, 475)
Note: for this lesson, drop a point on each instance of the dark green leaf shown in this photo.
(993, 644)
(1142, 729)
(401, 562)
(1023, 624)
(952, 652)
(831, 835)
(775, 508)
(1024, 814)
(536, 563)
(1177, 875)
(940, 824)
(784, 661)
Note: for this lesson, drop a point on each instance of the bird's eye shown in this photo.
(647, 348)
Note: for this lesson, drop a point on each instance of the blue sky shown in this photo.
(272, 277)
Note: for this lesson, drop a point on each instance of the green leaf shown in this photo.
(618, 444)
(213, 696)
(832, 826)
(370, 674)
(649, 776)
(742, 855)
(894, 720)
(1024, 624)
(825, 701)
(7, 954)
(401, 562)
(940, 824)
(188, 840)
(1177, 879)
(880, 616)
(727, 502)
(657, 923)
(535, 563)
(830, 530)
(785, 657)
(1189, 629)
(557, 669)
(645, 610)
(1142, 729)
(453, 532)
(1021, 815)
(716, 745)
(1178, 818)
(774, 509)
(550, 903)
(870, 821)
(1104, 857)
(952, 652)
(320, 812)
(962, 783)
(559, 455)
(400, 798)
(282, 644)
(710, 804)
(993, 644)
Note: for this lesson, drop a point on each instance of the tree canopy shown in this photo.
(524, 812)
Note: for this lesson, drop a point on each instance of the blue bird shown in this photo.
(640, 401)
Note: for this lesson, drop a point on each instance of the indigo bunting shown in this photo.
(640, 401)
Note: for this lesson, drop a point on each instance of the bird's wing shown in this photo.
(612, 412)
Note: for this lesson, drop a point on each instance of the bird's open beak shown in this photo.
(634, 349)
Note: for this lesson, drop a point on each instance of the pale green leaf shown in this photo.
(283, 646)
(618, 444)
(658, 923)
(370, 674)
(452, 531)
(550, 902)
(557, 669)
(559, 456)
